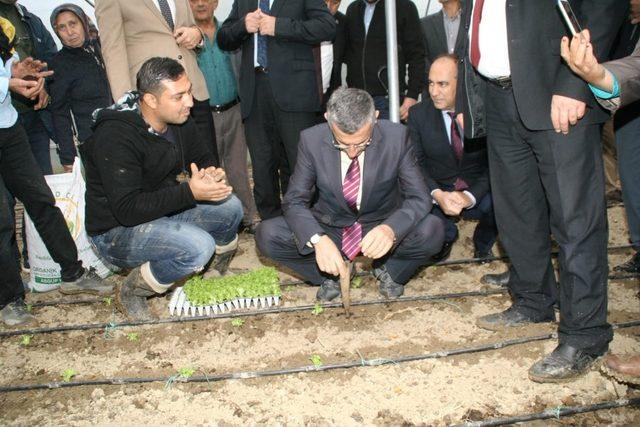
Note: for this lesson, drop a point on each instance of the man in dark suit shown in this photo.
(543, 137)
(356, 188)
(277, 84)
(456, 170)
(442, 31)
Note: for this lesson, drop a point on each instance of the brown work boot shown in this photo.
(131, 296)
(627, 370)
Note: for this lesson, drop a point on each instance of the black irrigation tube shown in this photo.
(295, 370)
(554, 413)
(298, 308)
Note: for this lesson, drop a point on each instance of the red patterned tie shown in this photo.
(352, 235)
(475, 33)
(458, 149)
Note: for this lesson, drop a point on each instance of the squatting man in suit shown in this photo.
(144, 211)
(357, 188)
(455, 169)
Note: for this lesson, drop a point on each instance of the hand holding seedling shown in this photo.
(206, 188)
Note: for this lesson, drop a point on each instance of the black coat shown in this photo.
(366, 56)
(338, 54)
(435, 37)
(300, 24)
(436, 157)
(131, 173)
(79, 86)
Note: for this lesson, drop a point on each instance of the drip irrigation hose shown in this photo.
(295, 370)
(298, 308)
(554, 413)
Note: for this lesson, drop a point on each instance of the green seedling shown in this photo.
(186, 373)
(237, 322)
(356, 282)
(107, 301)
(317, 309)
(29, 308)
(316, 360)
(133, 336)
(68, 374)
(25, 340)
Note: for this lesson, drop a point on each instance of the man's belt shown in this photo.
(224, 107)
(502, 82)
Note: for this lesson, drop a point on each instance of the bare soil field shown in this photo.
(377, 385)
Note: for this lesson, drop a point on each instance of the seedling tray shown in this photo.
(180, 305)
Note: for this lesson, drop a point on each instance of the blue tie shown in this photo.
(262, 40)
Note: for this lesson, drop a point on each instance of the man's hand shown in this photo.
(404, 108)
(378, 241)
(578, 54)
(267, 25)
(634, 14)
(29, 67)
(27, 88)
(448, 202)
(205, 188)
(187, 37)
(566, 111)
(461, 199)
(43, 100)
(328, 257)
(252, 21)
(217, 174)
(67, 168)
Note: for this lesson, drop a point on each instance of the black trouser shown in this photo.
(22, 177)
(275, 240)
(272, 138)
(201, 113)
(544, 182)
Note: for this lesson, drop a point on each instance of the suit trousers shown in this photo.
(544, 182)
(627, 123)
(201, 113)
(232, 150)
(272, 137)
(275, 240)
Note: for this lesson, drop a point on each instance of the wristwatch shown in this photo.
(315, 239)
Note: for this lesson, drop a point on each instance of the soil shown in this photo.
(442, 391)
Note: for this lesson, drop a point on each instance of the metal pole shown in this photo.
(392, 61)
(91, 3)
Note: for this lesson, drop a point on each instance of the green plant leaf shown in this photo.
(107, 301)
(68, 374)
(356, 282)
(133, 336)
(186, 373)
(25, 340)
(317, 309)
(316, 360)
(237, 322)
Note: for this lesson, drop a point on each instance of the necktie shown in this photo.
(458, 149)
(262, 40)
(166, 12)
(352, 235)
(475, 33)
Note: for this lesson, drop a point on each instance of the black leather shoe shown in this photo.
(444, 252)
(631, 266)
(387, 287)
(565, 363)
(501, 279)
(510, 318)
(329, 290)
(483, 256)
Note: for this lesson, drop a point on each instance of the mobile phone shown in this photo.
(569, 17)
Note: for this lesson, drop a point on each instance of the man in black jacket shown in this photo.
(143, 211)
(443, 31)
(366, 53)
(455, 169)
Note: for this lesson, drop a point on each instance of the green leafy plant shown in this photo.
(185, 373)
(254, 284)
(25, 340)
(317, 309)
(29, 308)
(316, 360)
(68, 374)
(237, 322)
(133, 336)
(107, 301)
(356, 282)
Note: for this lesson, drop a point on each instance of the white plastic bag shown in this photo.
(68, 190)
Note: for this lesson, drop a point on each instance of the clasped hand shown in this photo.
(452, 202)
(209, 185)
(259, 22)
(28, 78)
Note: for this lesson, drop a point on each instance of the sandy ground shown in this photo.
(441, 391)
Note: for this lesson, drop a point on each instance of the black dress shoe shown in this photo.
(387, 287)
(631, 266)
(483, 256)
(565, 363)
(444, 252)
(500, 279)
(329, 290)
(510, 318)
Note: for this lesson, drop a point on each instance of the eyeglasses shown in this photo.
(345, 147)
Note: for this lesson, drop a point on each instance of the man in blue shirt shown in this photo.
(221, 78)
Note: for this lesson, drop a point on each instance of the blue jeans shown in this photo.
(176, 246)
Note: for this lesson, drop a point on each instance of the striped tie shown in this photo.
(352, 235)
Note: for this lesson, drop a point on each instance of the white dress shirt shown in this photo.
(326, 60)
(493, 43)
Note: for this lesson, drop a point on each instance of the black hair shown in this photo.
(154, 71)
(5, 47)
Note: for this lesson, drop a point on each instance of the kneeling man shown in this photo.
(356, 188)
(143, 210)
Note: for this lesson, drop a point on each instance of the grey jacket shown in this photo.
(627, 72)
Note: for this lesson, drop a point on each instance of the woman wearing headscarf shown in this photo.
(80, 84)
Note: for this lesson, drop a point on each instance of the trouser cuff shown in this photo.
(149, 278)
(231, 246)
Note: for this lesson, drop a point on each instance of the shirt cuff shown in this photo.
(433, 199)
(473, 199)
(602, 94)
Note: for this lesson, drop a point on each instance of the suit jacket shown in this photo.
(435, 37)
(339, 44)
(627, 72)
(393, 188)
(436, 157)
(534, 30)
(300, 24)
(134, 31)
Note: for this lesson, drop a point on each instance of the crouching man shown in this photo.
(356, 188)
(154, 202)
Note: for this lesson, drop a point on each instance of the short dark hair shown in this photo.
(154, 71)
